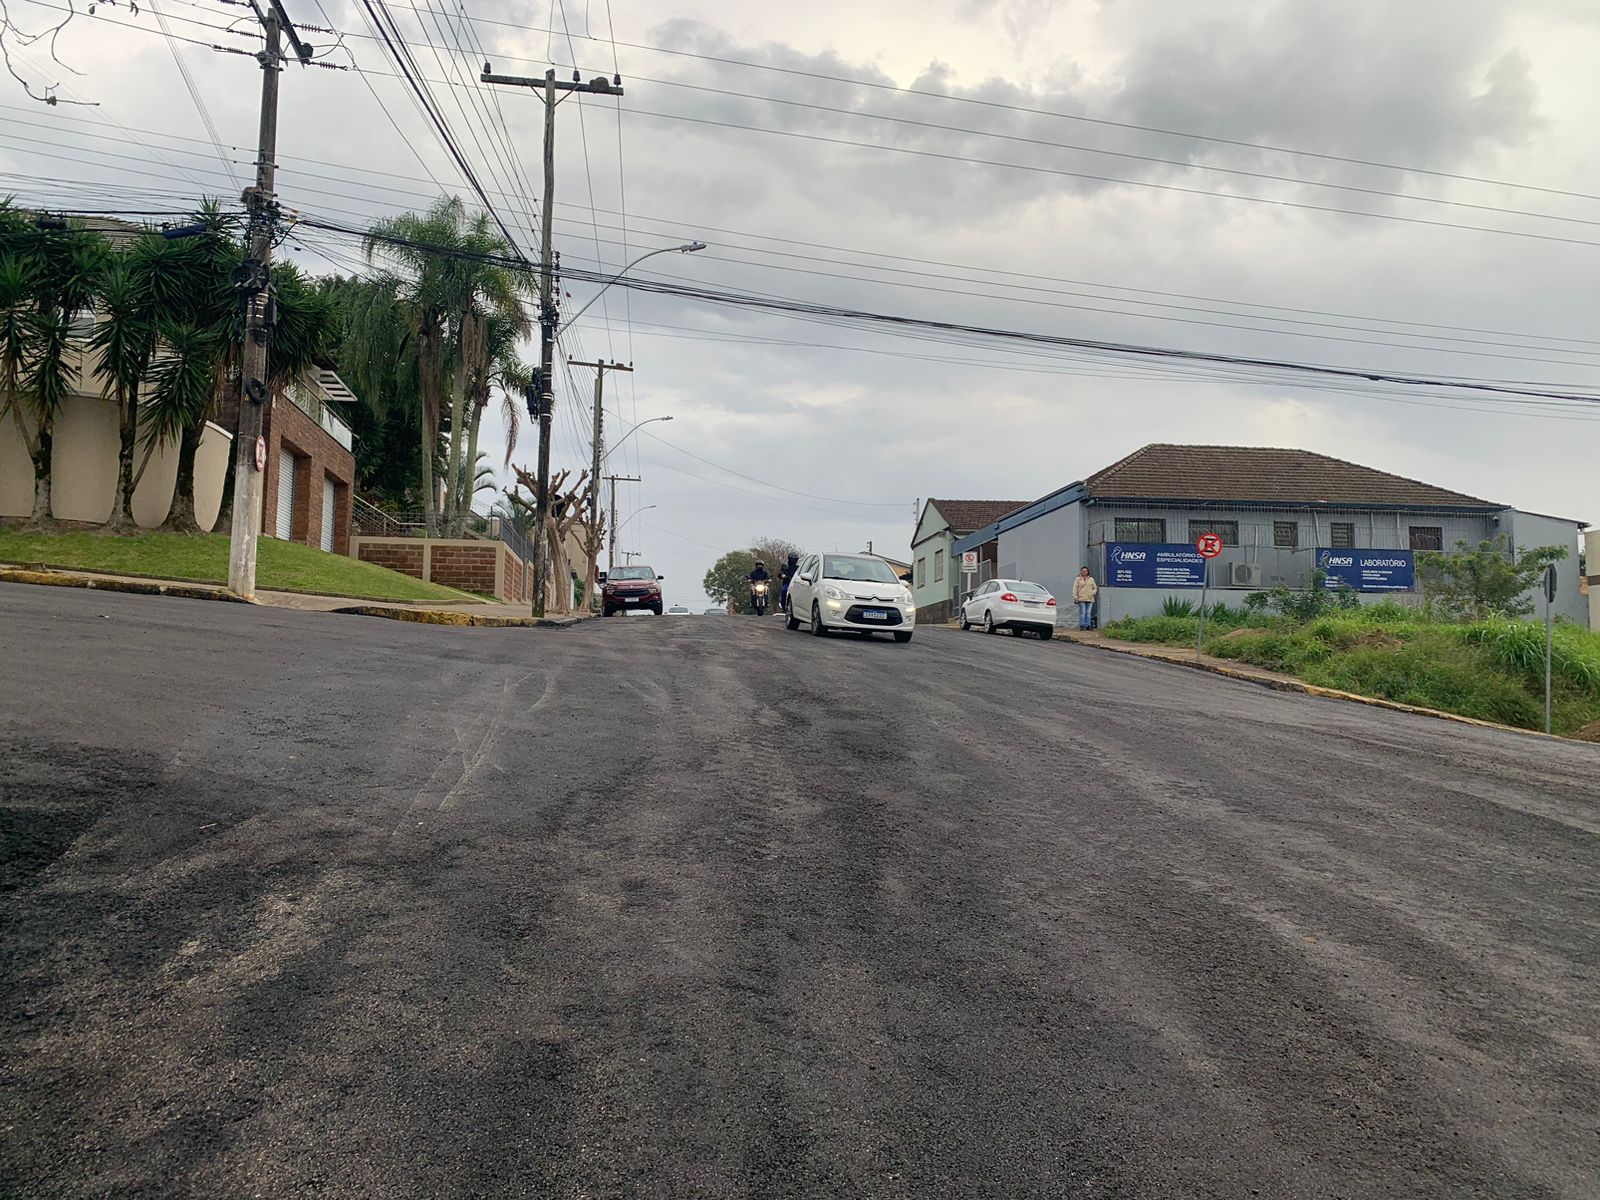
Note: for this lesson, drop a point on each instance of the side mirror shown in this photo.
(602, 576)
(906, 579)
(659, 578)
(804, 578)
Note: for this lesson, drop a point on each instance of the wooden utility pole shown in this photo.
(600, 367)
(613, 480)
(548, 314)
(254, 282)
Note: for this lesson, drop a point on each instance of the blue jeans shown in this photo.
(1085, 613)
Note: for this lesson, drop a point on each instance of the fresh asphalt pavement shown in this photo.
(311, 905)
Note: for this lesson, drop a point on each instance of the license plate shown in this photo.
(874, 614)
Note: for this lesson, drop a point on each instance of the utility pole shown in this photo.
(601, 367)
(253, 279)
(548, 315)
(613, 480)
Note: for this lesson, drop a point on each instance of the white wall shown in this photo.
(1592, 553)
(1529, 531)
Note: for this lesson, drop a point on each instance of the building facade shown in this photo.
(1281, 516)
(935, 579)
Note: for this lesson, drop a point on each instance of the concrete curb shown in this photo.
(1279, 683)
(423, 616)
(466, 598)
(136, 587)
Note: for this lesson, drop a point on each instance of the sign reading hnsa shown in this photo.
(1368, 570)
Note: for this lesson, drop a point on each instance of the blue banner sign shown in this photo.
(1154, 565)
(1368, 570)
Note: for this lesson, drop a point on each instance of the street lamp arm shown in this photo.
(629, 434)
(632, 515)
(686, 248)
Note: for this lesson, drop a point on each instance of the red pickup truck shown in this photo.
(631, 587)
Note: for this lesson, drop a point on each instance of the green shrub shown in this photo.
(1174, 607)
(1172, 631)
(1304, 604)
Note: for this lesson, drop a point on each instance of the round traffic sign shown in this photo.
(1209, 545)
(261, 454)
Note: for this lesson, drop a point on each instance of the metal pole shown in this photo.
(253, 393)
(1547, 606)
(611, 552)
(1200, 635)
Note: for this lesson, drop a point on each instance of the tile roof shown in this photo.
(966, 515)
(1164, 471)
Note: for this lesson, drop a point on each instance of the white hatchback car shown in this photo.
(850, 591)
(1013, 604)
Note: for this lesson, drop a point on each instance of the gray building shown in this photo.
(1281, 514)
(934, 577)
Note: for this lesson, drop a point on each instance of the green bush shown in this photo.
(1174, 607)
(1172, 631)
(1304, 604)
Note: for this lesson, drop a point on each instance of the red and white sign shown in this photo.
(969, 560)
(261, 454)
(1209, 545)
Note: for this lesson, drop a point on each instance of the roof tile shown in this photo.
(967, 515)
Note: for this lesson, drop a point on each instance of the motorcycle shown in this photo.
(758, 597)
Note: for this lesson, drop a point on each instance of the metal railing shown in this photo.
(312, 405)
(369, 520)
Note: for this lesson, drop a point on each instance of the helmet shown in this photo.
(759, 563)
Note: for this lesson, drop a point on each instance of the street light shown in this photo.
(686, 248)
(632, 515)
(629, 434)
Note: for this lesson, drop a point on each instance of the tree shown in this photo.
(50, 276)
(452, 296)
(728, 581)
(774, 552)
(565, 513)
(1488, 579)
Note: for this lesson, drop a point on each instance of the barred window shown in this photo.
(1342, 535)
(938, 565)
(1228, 531)
(1286, 535)
(1141, 529)
(922, 571)
(1427, 537)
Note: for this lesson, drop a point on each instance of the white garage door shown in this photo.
(285, 528)
(328, 500)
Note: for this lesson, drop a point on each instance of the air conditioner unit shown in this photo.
(1244, 574)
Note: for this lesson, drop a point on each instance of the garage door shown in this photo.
(285, 528)
(328, 500)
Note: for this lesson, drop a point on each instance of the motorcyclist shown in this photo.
(758, 574)
(789, 570)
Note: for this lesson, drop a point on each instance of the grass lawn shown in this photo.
(203, 558)
(1492, 670)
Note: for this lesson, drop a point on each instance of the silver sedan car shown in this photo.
(1013, 604)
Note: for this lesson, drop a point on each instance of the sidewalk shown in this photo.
(482, 614)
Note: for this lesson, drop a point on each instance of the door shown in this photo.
(800, 591)
(285, 529)
(329, 502)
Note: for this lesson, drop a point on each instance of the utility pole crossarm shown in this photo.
(599, 85)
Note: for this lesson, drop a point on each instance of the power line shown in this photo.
(194, 93)
(778, 487)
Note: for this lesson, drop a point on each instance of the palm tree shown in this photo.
(125, 341)
(450, 294)
(50, 276)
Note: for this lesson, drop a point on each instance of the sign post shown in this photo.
(1207, 546)
(1549, 602)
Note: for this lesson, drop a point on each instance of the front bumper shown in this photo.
(632, 600)
(852, 613)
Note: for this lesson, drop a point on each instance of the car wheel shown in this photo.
(656, 610)
(790, 621)
(1046, 634)
(610, 612)
(988, 623)
(818, 629)
(965, 624)
(902, 635)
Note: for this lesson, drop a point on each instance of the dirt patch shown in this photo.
(1589, 733)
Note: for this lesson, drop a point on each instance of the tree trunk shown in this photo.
(122, 505)
(471, 482)
(40, 447)
(181, 519)
(428, 406)
(454, 519)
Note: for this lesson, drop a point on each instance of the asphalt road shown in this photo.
(308, 905)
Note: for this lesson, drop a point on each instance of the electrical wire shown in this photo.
(194, 93)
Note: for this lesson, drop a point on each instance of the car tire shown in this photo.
(902, 636)
(656, 610)
(965, 624)
(790, 621)
(818, 629)
(1046, 634)
(610, 612)
(988, 623)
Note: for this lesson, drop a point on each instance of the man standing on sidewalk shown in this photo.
(1084, 589)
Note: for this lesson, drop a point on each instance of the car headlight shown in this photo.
(832, 593)
(908, 599)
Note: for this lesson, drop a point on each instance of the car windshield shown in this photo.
(633, 573)
(1023, 586)
(863, 570)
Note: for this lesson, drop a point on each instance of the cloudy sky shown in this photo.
(991, 162)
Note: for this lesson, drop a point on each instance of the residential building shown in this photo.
(311, 468)
(935, 580)
(1281, 515)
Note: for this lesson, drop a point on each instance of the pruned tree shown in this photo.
(564, 514)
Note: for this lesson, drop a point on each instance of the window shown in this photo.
(938, 565)
(1342, 535)
(922, 571)
(1427, 537)
(1286, 534)
(1228, 531)
(1140, 529)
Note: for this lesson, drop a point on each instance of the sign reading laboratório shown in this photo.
(1367, 570)
(969, 560)
(1154, 565)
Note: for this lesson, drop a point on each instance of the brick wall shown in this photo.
(468, 564)
(317, 455)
